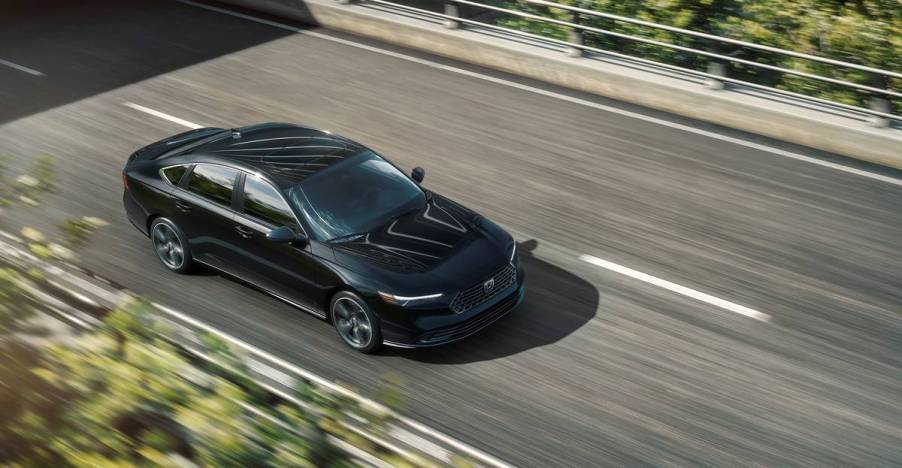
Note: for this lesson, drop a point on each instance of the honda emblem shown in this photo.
(488, 286)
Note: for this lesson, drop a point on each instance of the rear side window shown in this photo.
(262, 201)
(213, 182)
(174, 174)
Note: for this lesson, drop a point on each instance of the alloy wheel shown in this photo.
(168, 246)
(352, 322)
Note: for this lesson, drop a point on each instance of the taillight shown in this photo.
(124, 181)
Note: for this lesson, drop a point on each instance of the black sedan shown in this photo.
(328, 225)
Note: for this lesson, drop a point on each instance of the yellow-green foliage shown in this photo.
(29, 187)
(16, 304)
(77, 232)
(123, 397)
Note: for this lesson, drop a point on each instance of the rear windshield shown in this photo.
(215, 134)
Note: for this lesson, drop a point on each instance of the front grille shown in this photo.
(477, 294)
(471, 325)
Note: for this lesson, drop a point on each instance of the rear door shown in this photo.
(283, 269)
(203, 211)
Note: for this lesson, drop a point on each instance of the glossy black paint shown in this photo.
(418, 174)
(442, 247)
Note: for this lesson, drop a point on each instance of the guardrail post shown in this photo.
(879, 104)
(717, 69)
(576, 38)
(451, 9)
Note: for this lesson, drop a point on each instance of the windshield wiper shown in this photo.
(347, 237)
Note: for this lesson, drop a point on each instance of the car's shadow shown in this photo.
(557, 304)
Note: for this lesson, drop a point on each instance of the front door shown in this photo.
(285, 270)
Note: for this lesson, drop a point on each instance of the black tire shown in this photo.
(163, 231)
(342, 310)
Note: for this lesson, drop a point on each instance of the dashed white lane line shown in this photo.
(21, 68)
(552, 94)
(161, 115)
(688, 292)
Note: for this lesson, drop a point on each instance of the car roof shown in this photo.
(286, 153)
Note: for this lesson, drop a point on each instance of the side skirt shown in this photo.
(392, 344)
(316, 313)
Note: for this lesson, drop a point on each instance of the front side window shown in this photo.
(355, 196)
(174, 174)
(213, 182)
(262, 201)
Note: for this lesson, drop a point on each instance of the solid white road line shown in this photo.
(10, 236)
(688, 292)
(22, 68)
(81, 297)
(248, 347)
(563, 97)
(161, 115)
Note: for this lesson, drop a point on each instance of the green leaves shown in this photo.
(30, 187)
(122, 396)
(862, 32)
(16, 303)
(125, 395)
(77, 232)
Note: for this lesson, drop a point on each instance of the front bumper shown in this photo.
(405, 328)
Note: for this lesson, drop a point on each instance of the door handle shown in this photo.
(244, 231)
(183, 206)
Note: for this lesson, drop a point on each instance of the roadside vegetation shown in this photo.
(123, 396)
(865, 32)
(124, 393)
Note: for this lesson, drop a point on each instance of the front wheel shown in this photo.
(357, 326)
(169, 243)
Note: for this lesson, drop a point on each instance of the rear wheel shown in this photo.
(170, 246)
(357, 326)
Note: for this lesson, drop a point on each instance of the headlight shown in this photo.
(407, 300)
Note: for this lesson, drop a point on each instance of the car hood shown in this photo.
(443, 239)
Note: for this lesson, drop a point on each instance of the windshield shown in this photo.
(355, 196)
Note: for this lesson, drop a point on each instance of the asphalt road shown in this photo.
(597, 368)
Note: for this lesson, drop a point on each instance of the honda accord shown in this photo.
(327, 225)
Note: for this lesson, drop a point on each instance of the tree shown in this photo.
(865, 32)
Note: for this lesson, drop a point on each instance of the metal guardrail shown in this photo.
(716, 75)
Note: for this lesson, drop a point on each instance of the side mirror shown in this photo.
(286, 235)
(418, 174)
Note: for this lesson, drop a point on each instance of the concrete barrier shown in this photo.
(766, 114)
